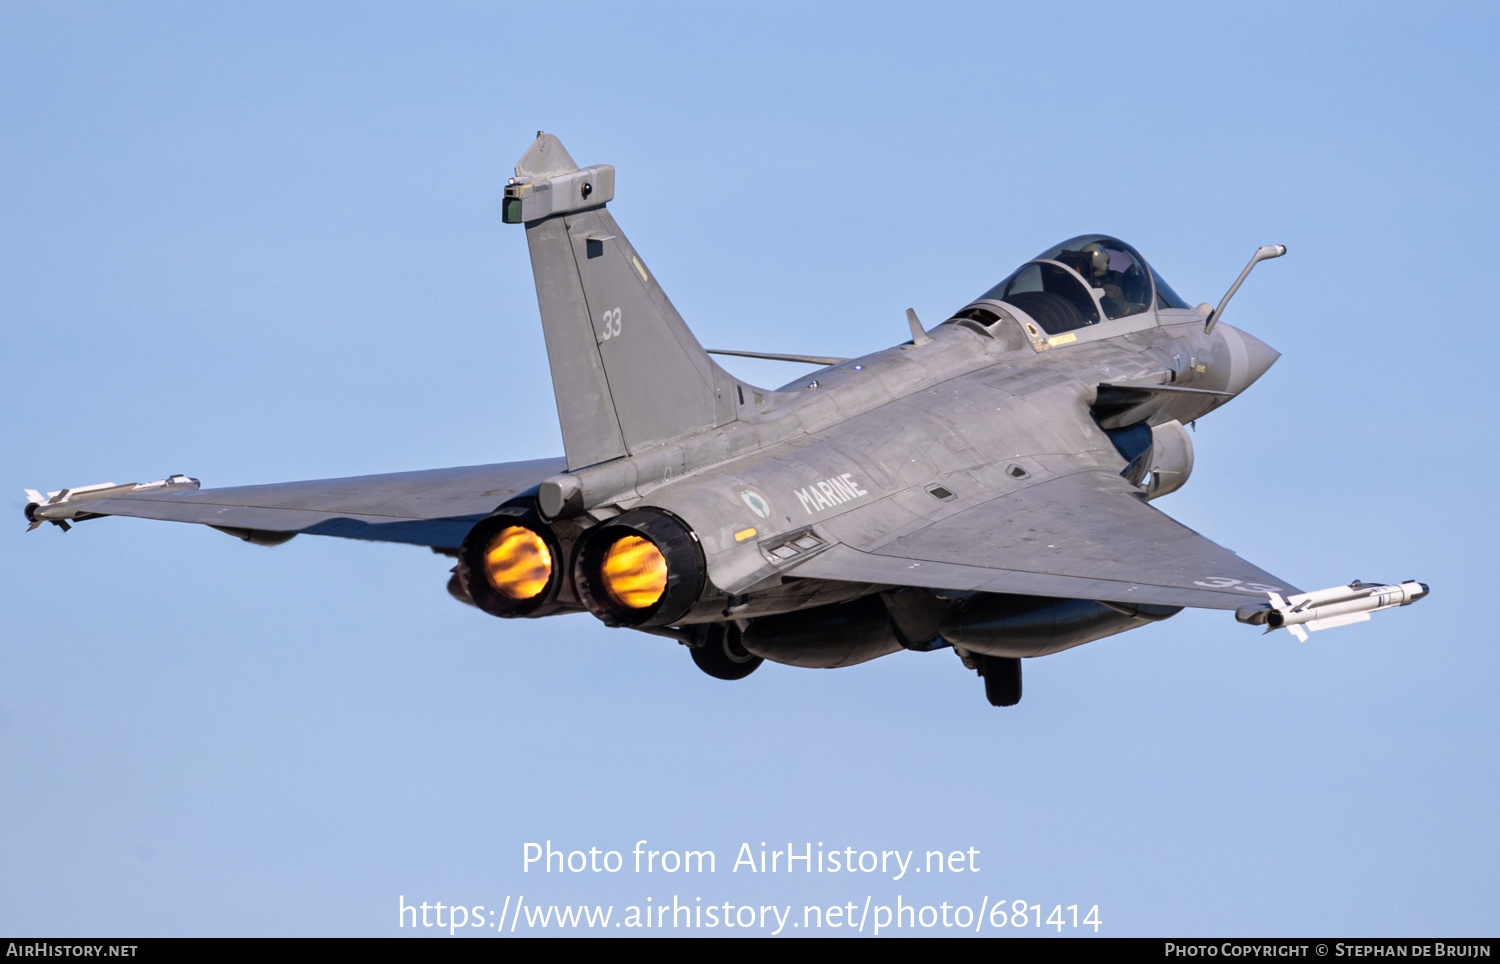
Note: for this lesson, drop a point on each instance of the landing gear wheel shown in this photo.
(721, 655)
(1002, 679)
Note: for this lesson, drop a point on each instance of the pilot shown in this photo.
(1096, 258)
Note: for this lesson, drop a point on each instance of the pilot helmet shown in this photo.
(1097, 259)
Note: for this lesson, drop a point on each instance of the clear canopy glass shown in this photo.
(1058, 288)
(1052, 295)
(1111, 266)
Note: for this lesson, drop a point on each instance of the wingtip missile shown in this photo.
(73, 504)
(1327, 608)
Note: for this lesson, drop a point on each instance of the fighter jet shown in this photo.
(984, 487)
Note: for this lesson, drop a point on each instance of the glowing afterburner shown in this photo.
(518, 563)
(634, 572)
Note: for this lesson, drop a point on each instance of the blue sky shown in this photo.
(257, 243)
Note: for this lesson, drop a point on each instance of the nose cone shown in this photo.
(1259, 357)
(1249, 357)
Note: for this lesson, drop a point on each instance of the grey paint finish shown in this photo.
(590, 428)
(991, 454)
(544, 157)
(436, 507)
(661, 380)
(822, 360)
(1120, 405)
(585, 411)
(968, 435)
(626, 371)
(1087, 535)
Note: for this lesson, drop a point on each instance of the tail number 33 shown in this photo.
(611, 325)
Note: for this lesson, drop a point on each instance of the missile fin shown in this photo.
(1332, 621)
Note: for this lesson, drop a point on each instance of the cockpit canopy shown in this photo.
(1082, 282)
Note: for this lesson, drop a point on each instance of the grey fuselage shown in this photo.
(968, 412)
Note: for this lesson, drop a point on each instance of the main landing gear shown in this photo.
(720, 655)
(1002, 679)
(1001, 674)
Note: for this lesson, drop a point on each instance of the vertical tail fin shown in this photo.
(626, 370)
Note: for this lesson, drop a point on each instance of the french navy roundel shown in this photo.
(757, 503)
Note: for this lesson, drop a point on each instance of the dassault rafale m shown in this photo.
(985, 486)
